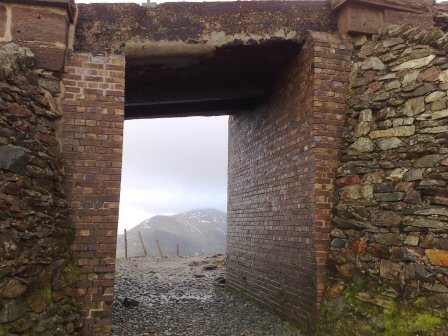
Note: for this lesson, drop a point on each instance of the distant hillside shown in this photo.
(196, 232)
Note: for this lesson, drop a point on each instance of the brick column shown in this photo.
(332, 66)
(282, 162)
(92, 132)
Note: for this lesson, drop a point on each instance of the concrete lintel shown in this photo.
(118, 28)
(325, 37)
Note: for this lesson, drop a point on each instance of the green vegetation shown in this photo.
(347, 315)
(47, 293)
(2, 331)
(408, 321)
(72, 273)
(421, 302)
(357, 286)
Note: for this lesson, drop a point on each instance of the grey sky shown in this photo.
(172, 165)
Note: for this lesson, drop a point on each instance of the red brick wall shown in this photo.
(282, 159)
(92, 131)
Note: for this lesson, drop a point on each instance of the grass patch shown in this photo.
(407, 321)
(47, 293)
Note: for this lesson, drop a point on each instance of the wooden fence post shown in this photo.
(141, 241)
(160, 250)
(125, 244)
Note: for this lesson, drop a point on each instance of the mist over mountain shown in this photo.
(197, 232)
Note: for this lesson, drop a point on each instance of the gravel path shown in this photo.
(177, 297)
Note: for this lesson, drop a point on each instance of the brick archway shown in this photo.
(280, 186)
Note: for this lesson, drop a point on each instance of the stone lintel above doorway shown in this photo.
(367, 16)
(43, 26)
(68, 5)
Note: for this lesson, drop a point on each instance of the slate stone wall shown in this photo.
(389, 247)
(36, 266)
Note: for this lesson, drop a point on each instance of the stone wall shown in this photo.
(389, 247)
(441, 15)
(36, 267)
(282, 159)
(92, 137)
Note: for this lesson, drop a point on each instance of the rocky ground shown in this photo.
(180, 296)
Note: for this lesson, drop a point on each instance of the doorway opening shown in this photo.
(186, 295)
(174, 187)
(173, 208)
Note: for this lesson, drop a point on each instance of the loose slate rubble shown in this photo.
(174, 301)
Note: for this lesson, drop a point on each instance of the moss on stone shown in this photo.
(411, 320)
(47, 293)
(72, 272)
(347, 315)
(421, 302)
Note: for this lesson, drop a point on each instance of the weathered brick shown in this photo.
(3, 20)
(86, 148)
(46, 57)
(39, 24)
(281, 187)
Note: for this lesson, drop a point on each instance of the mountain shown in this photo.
(197, 232)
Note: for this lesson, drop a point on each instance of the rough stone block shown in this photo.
(47, 58)
(390, 270)
(359, 19)
(367, 17)
(438, 257)
(39, 24)
(13, 159)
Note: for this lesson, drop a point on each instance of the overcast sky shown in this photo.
(171, 166)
